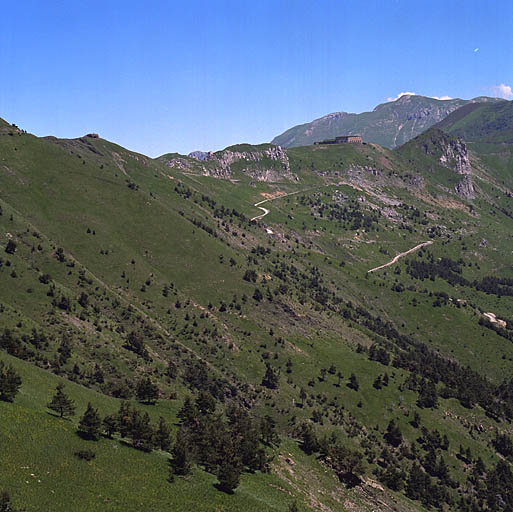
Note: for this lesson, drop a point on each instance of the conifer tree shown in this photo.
(310, 443)
(10, 382)
(293, 507)
(141, 431)
(147, 391)
(271, 378)
(5, 503)
(229, 476)
(205, 403)
(416, 483)
(10, 248)
(353, 382)
(90, 424)
(163, 435)
(268, 431)
(182, 460)
(110, 424)
(61, 403)
(188, 414)
(393, 434)
(428, 397)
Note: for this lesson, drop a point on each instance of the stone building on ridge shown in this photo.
(342, 139)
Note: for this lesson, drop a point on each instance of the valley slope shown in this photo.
(388, 390)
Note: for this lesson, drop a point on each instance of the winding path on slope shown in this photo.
(400, 255)
(266, 211)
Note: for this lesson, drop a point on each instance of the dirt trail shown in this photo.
(266, 211)
(262, 215)
(400, 255)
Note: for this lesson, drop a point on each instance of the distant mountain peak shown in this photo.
(333, 116)
(390, 124)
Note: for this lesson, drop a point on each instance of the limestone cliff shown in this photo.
(268, 163)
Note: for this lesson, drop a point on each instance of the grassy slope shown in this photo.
(34, 442)
(149, 229)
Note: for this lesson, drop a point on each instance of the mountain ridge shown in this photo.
(389, 124)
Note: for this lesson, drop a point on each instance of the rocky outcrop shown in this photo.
(455, 157)
(451, 153)
(180, 163)
(201, 155)
(465, 188)
(270, 164)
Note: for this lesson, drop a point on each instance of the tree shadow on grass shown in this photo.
(219, 487)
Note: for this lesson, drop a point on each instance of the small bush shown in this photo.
(85, 454)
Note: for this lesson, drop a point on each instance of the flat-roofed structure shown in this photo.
(342, 139)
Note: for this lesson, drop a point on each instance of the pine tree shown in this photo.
(270, 379)
(182, 456)
(5, 503)
(430, 463)
(415, 423)
(10, 248)
(268, 431)
(188, 414)
(147, 391)
(293, 507)
(257, 295)
(124, 416)
(393, 434)
(228, 476)
(141, 431)
(310, 443)
(10, 382)
(90, 424)
(353, 382)
(61, 403)
(428, 397)
(205, 403)
(393, 478)
(163, 435)
(416, 483)
(110, 424)
(64, 350)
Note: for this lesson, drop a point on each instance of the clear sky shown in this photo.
(159, 76)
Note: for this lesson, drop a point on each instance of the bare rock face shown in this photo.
(455, 156)
(270, 164)
(180, 163)
(253, 164)
(201, 155)
(465, 188)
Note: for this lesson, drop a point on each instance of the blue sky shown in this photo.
(161, 76)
